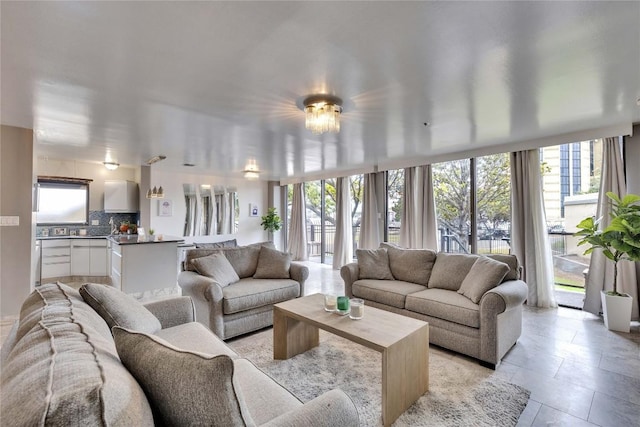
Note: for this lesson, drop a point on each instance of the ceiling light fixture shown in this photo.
(111, 165)
(251, 170)
(156, 159)
(156, 193)
(322, 113)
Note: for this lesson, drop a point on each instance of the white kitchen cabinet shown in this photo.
(121, 196)
(56, 259)
(89, 257)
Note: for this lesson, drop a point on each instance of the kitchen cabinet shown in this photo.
(89, 257)
(55, 259)
(121, 196)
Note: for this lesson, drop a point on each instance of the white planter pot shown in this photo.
(616, 311)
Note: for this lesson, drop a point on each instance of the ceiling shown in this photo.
(218, 84)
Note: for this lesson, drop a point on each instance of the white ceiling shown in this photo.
(216, 83)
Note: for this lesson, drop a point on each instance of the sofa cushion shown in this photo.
(410, 265)
(450, 270)
(446, 305)
(374, 264)
(217, 245)
(272, 264)
(253, 293)
(194, 336)
(485, 274)
(389, 292)
(65, 370)
(118, 308)
(185, 388)
(244, 259)
(216, 266)
(512, 262)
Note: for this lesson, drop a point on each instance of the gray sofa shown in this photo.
(62, 366)
(473, 303)
(234, 305)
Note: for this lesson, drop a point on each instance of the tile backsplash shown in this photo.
(102, 229)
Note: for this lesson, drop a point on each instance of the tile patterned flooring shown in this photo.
(578, 372)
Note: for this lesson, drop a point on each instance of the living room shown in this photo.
(220, 88)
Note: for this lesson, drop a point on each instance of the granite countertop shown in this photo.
(69, 237)
(134, 239)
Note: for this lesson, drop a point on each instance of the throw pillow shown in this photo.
(450, 270)
(119, 309)
(374, 264)
(485, 274)
(512, 262)
(272, 264)
(410, 265)
(218, 267)
(184, 388)
(244, 259)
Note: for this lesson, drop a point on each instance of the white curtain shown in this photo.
(600, 268)
(419, 228)
(529, 239)
(192, 215)
(297, 243)
(369, 226)
(343, 243)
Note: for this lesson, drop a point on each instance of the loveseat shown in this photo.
(234, 288)
(473, 303)
(61, 366)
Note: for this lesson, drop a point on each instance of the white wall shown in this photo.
(249, 229)
(95, 171)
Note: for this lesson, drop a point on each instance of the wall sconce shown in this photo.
(156, 193)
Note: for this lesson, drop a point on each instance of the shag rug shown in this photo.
(461, 392)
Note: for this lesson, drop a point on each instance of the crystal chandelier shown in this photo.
(322, 114)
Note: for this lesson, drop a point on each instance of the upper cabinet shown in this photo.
(121, 196)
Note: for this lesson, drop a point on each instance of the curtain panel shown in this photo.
(529, 238)
(297, 244)
(343, 242)
(419, 227)
(369, 227)
(600, 275)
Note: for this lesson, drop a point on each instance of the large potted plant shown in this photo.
(618, 241)
(271, 222)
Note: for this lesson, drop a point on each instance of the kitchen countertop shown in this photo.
(134, 239)
(69, 237)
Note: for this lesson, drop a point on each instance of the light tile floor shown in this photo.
(578, 372)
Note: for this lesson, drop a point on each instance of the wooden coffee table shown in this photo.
(403, 342)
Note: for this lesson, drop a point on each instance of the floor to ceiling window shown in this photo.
(395, 187)
(314, 198)
(493, 200)
(571, 181)
(356, 184)
(452, 188)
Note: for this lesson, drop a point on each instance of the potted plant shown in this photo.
(618, 241)
(271, 221)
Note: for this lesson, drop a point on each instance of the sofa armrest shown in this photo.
(333, 408)
(207, 295)
(511, 293)
(299, 273)
(349, 273)
(173, 311)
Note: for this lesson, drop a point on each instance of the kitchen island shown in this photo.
(140, 264)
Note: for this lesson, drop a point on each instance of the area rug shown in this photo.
(461, 392)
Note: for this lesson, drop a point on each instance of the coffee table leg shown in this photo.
(291, 336)
(405, 374)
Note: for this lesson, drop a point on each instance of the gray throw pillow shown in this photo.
(217, 267)
(119, 309)
(244, 259)
(272, 264)
(450, 270)
(485, 274)
(512, 262)
(185, 388)
(373, 264)
(410, 265)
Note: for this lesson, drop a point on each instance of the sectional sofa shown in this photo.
(61, 366)
(473, 303)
